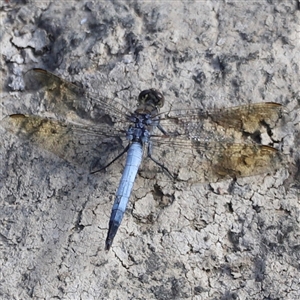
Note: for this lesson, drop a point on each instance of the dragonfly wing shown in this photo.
(70, 101)
(246, 118)
(82, 146)
(208, 147)
(249, 118)
(194, 161)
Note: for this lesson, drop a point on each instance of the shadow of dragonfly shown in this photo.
(187, 145)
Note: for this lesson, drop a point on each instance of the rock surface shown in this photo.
(226, 240)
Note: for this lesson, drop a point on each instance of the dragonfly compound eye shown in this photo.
(160, 99)
(151, 96)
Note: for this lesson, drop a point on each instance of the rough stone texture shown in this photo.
(227, 240)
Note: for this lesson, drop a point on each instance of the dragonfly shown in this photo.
(185, 145)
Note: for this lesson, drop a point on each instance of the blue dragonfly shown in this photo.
(187, 145)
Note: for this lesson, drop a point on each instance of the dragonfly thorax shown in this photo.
(140, 131)
(136, 134)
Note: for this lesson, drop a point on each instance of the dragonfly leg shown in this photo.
(111, 162)
(169, 134)
(149, 154)
(161, 129)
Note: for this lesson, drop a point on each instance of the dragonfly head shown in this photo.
(150, 100)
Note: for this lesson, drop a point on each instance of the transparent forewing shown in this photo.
(246, 118)
(70, 101)
(81, 145)
(194, 161)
